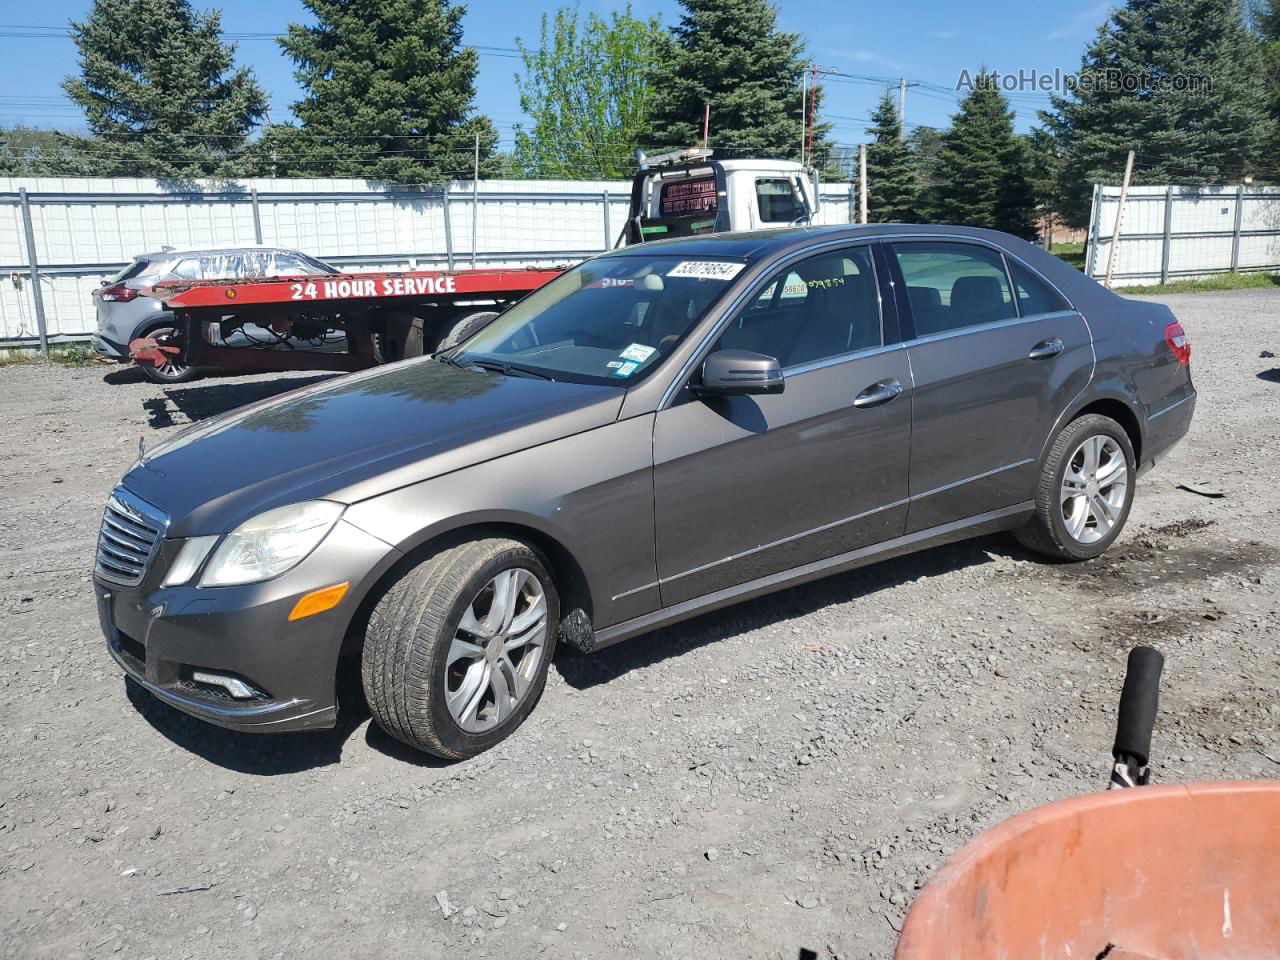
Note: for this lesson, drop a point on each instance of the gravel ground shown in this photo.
(776, 777)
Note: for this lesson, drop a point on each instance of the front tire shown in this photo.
(456, 653)
(1085, 492)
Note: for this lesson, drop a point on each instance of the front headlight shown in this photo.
(271, 543)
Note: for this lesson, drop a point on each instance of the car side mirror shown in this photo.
(739, 373)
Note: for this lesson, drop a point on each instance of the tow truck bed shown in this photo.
(381, 316)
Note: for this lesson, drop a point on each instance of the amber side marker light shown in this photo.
(318, 601)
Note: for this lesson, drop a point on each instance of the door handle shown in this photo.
(877, 393)
(1046, 348)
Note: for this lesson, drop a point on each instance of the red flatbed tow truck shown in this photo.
(286, 323)
(292, 323)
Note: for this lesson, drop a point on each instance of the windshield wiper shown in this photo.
(451, 361)
(509, 369)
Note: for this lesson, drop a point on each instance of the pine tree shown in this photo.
(160, 91)
(588, 89)
(892, 185)
(983, 167)
(390, 95)
(924, 144)
(1208, 131)
(1266, 21)
(730, 54)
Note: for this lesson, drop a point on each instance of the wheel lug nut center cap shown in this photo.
(492, 649)
(1091, 488)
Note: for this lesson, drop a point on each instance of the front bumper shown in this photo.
(163, 636)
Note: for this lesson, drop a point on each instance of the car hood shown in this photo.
(355, 437)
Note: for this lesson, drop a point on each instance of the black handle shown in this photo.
(1138, 703)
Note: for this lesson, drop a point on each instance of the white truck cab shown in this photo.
(686, 192)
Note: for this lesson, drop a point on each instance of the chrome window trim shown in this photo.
(839, 358)
(979, 328)
(730, 311)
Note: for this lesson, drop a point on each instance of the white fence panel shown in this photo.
(1179, 232)
(86, 229)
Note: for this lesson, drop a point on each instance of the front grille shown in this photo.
(131, 531)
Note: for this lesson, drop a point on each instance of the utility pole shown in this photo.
(862, 183)
(813, 108)
(706, 124)
(804, 110)
(902, 108)
(1115, 233)
(475, 199)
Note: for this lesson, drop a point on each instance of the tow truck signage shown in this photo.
(254, 293)
(346, 289)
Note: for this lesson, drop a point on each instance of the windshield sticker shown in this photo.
(615, 364)
(707, 269)
(626, 370)
(638, 352)
(608, 283)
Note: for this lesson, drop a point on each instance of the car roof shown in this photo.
(767, 245)
(192, 251)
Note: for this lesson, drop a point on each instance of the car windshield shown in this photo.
(610, 320)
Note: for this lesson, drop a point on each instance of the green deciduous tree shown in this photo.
(160, 91)
(390, 93)
(983, 167)
(588, 88)
(1202, 134)
(892, 184)
(730, 54)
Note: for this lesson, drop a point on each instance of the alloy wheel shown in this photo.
(496, 651)
(1094, 488)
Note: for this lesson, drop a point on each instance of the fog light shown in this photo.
(237, 688)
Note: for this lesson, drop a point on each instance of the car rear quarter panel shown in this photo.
(1135, 365)
(590, 493)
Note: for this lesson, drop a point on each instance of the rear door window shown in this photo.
(1034, 294)
(954, 285)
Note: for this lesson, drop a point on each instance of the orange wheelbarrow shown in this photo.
(1180, 872)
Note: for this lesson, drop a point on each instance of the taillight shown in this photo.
(1176, 340)
(118, 293)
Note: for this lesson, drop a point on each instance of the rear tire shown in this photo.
(442, 647)
(1085, 491)
(170, 372)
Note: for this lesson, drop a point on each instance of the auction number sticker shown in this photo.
(707, 269)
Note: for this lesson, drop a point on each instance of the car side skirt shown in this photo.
(1006, 518)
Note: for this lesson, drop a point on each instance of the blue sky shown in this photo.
(924, 40)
